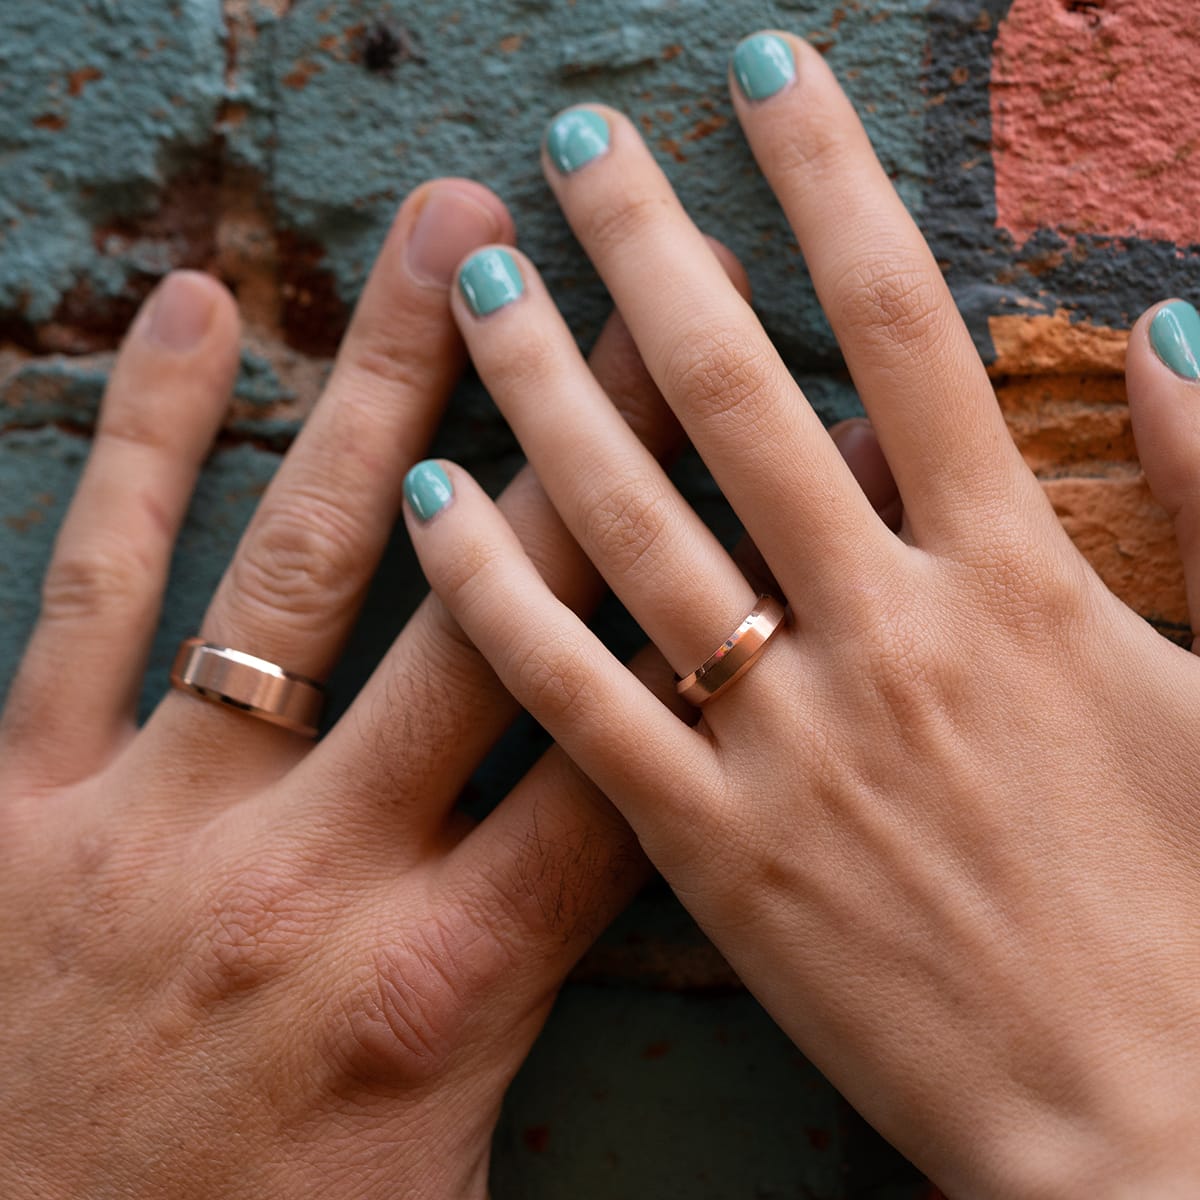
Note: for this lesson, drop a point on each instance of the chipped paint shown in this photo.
(1053, 344)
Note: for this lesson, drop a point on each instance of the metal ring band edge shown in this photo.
(249, 684)
(736, 654)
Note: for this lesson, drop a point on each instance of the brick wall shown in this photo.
(1044, 145)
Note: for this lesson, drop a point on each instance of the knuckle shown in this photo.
(303, 559)
(550, 680)
(465, 577)
(899, 306)
(611, 222)
(407, 1010)
(1028, 592)
(382, 365)
(623, 526)
(257, 923)
(918, 676)
(138, 425)
(810, 155)
(79, 896)
(716, 375)
(92, 580)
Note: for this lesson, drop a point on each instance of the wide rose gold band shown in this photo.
(252, 685)
(735, 655)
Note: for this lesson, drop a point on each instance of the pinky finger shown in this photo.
(72, 705)
(633, 747)
(1162, 371)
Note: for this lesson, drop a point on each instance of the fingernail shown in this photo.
(1175, 336)
(490, 280)
(763, 65)
(449, 226)
(181, 311)
(427, 489)
(575, 138)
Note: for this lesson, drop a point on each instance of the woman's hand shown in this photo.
(234, 964)
(946, 826)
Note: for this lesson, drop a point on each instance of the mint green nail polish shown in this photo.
(427, 489)
(575, 138)
(763, 65)
(1175, 336)
(490, 280)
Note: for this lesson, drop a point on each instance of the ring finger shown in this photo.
(299, 574)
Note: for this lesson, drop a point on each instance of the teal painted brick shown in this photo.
(258, 383)
(349, 143)
(334, 145)
(39, 469)
(60, 389)
(100, 103)
(42, 390)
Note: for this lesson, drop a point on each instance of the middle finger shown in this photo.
(713, 361)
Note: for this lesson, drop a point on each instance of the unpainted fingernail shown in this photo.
(1175, 336)
(763, 64)
(448, 227)
(428, 489)
(489, 280)
(181, 311)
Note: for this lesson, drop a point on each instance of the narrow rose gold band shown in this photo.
(251, 685)
(735, 655)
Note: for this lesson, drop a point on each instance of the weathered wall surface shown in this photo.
(1045, 145)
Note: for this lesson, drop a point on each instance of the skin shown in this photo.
(945, 828)
(235, 963)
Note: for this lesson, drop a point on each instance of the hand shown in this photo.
(234, 964)
(945, 827)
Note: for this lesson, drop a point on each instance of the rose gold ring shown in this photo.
(251, 685)
(735, 655)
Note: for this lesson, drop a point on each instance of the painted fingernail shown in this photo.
(490, 280)
(181, 311)
(449, 226)
(427, 489)
(763, 65)
(1175, 336)
(575, 138)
